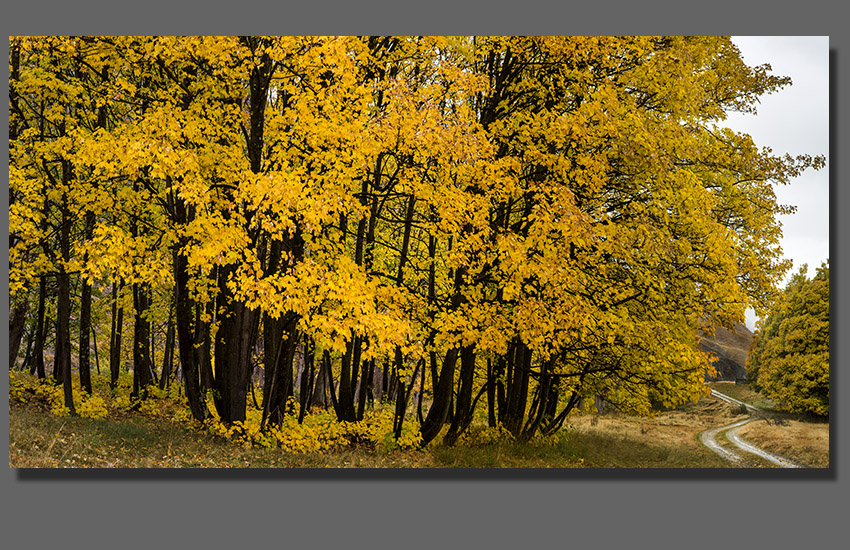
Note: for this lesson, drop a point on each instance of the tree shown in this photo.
(789, 358)
(532, 219)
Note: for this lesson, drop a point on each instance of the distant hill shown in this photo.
(730, 347)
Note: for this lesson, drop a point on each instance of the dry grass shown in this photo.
(805, 442)
(667, 440)
(743, 392)
(38, 440)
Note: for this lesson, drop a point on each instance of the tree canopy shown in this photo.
(789, 359)
(532, 219)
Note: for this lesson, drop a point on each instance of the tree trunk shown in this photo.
(463, 410)
(142, 377)
(307, 380)
(278, 385)
(202, 347)
(40, 330)
(519, 365)
(115, 339)
(85, 299)
(234, 344)
(85, 340)
(345, 394)
(17, 323)
(183, 320)
(441, 406)
(85, 318)
(96, 353)
(322, 387)
(491, 394)
(63, 300)
(168, 353)
(25, 364)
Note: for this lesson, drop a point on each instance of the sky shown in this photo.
(794, 120)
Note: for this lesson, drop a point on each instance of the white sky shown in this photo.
(794, 120)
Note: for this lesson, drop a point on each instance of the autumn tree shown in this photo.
(527, 221)
(789, 358)
(631, 220)
(47, 106)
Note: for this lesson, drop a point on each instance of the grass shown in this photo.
(804, 442)
(39, 440)
(743, 392)
(157, 436)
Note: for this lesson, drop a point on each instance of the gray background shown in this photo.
(449, 509)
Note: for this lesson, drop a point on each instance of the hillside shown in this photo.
(730, 347)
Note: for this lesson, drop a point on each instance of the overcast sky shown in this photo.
(795, 120)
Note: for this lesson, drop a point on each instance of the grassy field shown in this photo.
(804, 442)
(38, 439)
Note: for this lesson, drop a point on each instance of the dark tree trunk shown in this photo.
(63, 301)
(519, 366)
(440, 409)
(202, 347)
(345, 394)
(17, 323)
(85, 340)
(25, 364)
(272, 335)
(307, 380)
(345, 397)
(152, 348)
(421, 396)
(168, 353)
(142, 377)
(463, 409)
(442, 406)
(115, 337)
(280, 336)
(183, 321)
(322, 387)
(234, 344)
(399, 359)
(501, 390)
(85, 318)
(85, 299)
(96, 353)
(40, 330)
(491, 395)
(328, 369)
(238, 324)
(539, 404)
(63, 338)
(356, 374)
(365, 386)
(278, 385)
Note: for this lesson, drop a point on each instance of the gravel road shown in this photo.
(709, 439)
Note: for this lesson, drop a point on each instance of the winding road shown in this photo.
(709, 439)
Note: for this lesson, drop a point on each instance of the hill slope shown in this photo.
(730, 347)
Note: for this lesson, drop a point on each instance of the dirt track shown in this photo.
(740, 459)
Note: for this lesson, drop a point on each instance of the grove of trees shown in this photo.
(789, 359)
(440, 224)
